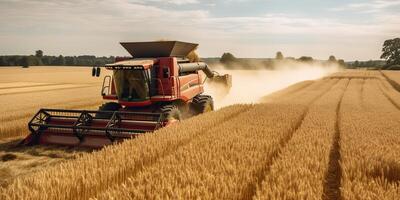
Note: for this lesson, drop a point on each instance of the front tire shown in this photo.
(171, 113)
(202, 104)
(110, 106)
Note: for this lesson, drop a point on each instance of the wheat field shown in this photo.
(331, 138)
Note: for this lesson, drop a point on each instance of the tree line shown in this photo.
(390, 52)
(39, 59)
(230, 61)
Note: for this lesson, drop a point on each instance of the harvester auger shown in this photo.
(150, 90)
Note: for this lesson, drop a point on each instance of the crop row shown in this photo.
(307, 167)
(370, 144)
(393, 77)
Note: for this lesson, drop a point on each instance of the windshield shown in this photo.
(131, 85)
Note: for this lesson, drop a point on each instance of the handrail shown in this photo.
(162, 87)
(170, 80)
(178, 86)
(108, 77)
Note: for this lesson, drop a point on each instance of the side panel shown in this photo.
(190, 86)
(188, 94)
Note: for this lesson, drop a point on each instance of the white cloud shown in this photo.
(175, 2)
(74, 27)
(369, 7)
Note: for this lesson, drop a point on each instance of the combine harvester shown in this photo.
(150, 90)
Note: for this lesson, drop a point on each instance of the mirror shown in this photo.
(93, 71)
(98, 71)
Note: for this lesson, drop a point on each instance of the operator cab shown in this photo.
(132, 79)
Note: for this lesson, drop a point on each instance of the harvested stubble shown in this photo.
(21, 102)
(48, 74)
(300, 169)
(20, 161)
(17, 126)
(20, 85)
(91, 174)
(14, 119)
(32, 89)
(370, 145)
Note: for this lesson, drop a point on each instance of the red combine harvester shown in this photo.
(158, 86)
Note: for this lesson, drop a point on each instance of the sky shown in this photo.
(348, 29)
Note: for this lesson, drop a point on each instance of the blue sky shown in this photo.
(248, 28)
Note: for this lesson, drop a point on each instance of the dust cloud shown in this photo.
(248, 86)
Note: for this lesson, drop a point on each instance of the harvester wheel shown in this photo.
(110, 106)
(171, 112)
(202, 104)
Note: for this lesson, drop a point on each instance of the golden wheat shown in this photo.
(95, 173)
(226, 168)
(393, 75)
(370, 146)
(326, 139)
(301, 167)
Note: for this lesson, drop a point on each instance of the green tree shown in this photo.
(25, 62)
(60, 60)
(391, 51)
(341, 62)
(356, 63)
(39, 56)
(332, 59)
(369, 63)
(70, 60)
(227, 58)
(3, 61)
(39, 53)
(279, 55)
(47, 60)
(306, 59)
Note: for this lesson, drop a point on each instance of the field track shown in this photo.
(332, 138)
